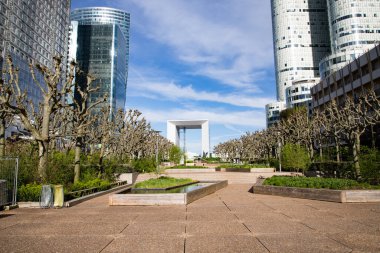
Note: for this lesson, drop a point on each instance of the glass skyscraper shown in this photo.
(99, 43)
(33, 30)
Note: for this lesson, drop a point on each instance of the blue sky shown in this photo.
(199, 59)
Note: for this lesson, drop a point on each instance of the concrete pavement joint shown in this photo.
(107, 245)
(312, 207)
(123, 229)
(262, 244)
(340, 243)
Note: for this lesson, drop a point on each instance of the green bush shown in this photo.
(61, 168)
(175, 154)
(294, 157)
(144, 164)
(316, 182)
(94, 183)
(370, 165)
(29, 192)
(333, 169)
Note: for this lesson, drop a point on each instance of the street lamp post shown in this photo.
(157, 165)
(279, 154)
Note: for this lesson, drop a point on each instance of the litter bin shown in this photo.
(58, 196)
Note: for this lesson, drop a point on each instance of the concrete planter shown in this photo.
(341, 196)
(263, 170)
(252, 170)
(165, 198)
(205, 170)
(129, 177)
(28, 204)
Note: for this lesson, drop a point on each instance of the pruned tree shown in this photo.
(80, 114)
(37, 120)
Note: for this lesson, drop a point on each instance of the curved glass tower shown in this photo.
(354, 28)
(300, 40)
(99, 43)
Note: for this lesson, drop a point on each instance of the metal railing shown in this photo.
(8, 180)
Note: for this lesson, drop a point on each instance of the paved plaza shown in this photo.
(231, 220)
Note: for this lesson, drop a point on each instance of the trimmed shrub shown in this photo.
(29, 192)
(317, 182)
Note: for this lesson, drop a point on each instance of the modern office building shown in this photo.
(298, 94)
(361, 74)
(33, 31)
(273, 111)
(99, 43)
(300, 40)
(354, 28)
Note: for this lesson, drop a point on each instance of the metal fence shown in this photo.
(8, 180)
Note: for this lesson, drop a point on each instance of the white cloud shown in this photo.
(173, 92)
(226, 40)
(252, 119)
(158, 88)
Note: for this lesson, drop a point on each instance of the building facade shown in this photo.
(361, 74)
(33, 31)
(273, 111)
(298, 94)
(300, 40)
(354, 28)
(99, 43)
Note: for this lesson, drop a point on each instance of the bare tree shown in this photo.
(38, 120)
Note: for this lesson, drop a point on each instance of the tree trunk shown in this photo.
(320, 151)
(373, 137)
(337, 149)
(43, 156)
(78, 150)
(355, 154)
(2, 137)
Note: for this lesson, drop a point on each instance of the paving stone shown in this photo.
(207, 225)
(216, 228)
(301, 242)
(146, 244)
(276, 225)
(329, 225)
(56, 243)
(359, 242)
(211, 216)
(225, 244)
(74, 228)
(156, 228)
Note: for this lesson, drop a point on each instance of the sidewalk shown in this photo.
(231, 220)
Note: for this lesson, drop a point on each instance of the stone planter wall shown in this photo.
(342, 196)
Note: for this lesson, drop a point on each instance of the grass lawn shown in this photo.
(318, 183)
(162, 182)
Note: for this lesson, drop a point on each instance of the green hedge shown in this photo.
(317, 182)
(29, 192)
(95, 183)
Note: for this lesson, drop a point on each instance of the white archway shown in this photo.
(174, 127)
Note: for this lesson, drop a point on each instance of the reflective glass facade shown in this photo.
(33, 30)
(99, 42)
